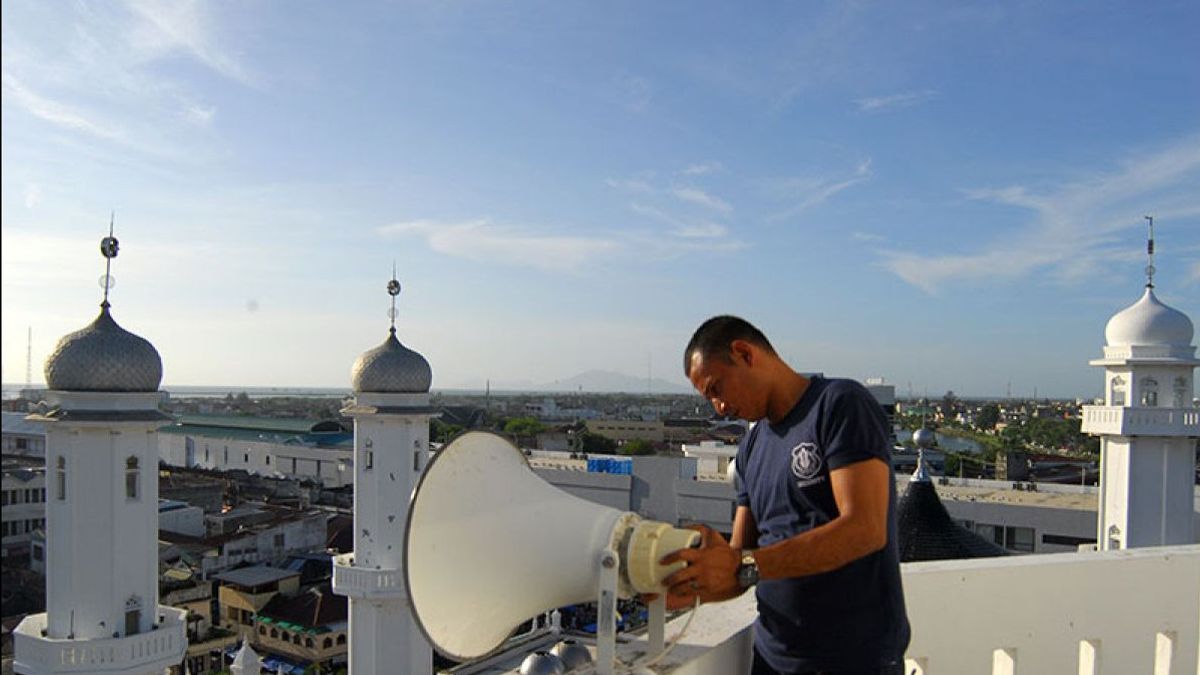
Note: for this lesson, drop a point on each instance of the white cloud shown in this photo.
(698, 196)
(33, 195)
(901, 100)
(183, 26)
(483, 241)
(680, 227)
(52, 111)
(867, 236)
(810, 192)
(630, 185)
(199, 115)
(1071, 234)
(702, 168)
(1194, 273)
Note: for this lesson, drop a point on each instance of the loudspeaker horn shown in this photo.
(490, 544)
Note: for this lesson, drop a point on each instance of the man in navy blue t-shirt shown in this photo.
(815, 526)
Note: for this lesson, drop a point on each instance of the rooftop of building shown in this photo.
(253, 577)
(313, 432)
(14, 423)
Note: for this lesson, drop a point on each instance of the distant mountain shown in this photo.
(603, 381)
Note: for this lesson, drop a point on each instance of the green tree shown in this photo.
(636, 447)
(988, 416)
(441, 432)
(523, 426)
(595, 444)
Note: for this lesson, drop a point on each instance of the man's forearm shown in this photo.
(821, 549)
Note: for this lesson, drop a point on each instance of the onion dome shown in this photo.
(1148, 322)
(391, 368)
(103, 357)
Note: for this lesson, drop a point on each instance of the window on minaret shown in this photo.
(368, 460)
(1149, 390)
(1180, 392)
(1117, 391)
(131, 479)
(60, 479)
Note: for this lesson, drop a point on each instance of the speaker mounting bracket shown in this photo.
(606, 612)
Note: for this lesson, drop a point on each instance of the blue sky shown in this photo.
(946, 194)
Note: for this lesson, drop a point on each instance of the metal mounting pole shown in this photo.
(656, 636)
(606, 613)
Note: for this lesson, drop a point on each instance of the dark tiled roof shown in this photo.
(340, 534)
(312, 608)
(926, 531)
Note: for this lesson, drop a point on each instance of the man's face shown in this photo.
(729, 384)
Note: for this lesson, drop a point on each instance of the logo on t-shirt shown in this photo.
(806, 464)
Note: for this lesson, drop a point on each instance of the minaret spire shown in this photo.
(393, 289)
(108, 248)
(1150, 253)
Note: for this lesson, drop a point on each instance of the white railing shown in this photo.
(1107, 613)
(362, 582)
(1126, 421)
(157, 649)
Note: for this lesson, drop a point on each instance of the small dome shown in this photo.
(924, 438)
(542, 663)
(572, 654)
(103, 357)
(1148, 322)
(391, 368)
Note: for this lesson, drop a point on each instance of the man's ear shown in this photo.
(741, 352)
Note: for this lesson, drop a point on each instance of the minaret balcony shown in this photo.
(1127, 421)
(152, 651)
(363, 582)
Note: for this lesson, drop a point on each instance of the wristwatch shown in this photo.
(747, 571)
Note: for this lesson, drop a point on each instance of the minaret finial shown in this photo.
(393, 289)
(108, 249)
(1150, 253)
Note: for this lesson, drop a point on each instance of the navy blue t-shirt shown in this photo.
(850, 617)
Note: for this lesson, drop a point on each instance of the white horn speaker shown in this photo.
(490, 544)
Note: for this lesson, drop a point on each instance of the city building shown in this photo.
(316, 450)
(249, 534)
(22, 503)
(22, 436)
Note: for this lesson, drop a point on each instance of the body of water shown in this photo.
(945, 442)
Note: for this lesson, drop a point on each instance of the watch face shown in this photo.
(747, 574)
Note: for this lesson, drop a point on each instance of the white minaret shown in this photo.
(391, 445)
(1148, 426)
(102, 612)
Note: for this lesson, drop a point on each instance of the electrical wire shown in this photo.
(630, 668)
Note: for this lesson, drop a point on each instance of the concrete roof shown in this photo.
(255, 576)
(15, 423)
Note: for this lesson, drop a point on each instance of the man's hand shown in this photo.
(711, 573)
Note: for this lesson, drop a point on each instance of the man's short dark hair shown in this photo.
(715, 335)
